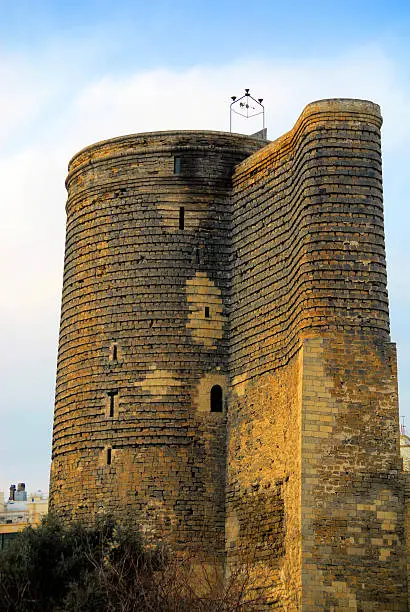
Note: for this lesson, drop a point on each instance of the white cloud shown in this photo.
(23, 95)
(199, 97)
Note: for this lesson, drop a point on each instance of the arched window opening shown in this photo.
(216, 398)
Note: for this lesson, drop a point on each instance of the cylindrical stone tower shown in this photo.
(139, 423)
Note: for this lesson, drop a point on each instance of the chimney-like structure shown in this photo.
(21, 494)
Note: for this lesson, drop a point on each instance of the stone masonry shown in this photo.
(225, 372)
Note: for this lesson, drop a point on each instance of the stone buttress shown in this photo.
(314, 496)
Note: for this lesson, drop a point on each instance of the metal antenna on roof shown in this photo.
(247, 106)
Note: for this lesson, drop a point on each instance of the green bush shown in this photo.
(54, 567)
(58, 568)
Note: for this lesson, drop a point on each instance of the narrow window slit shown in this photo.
(109, 456)
(177, 165)
(207, 315)
(114, 352)
(181, 218)
(112, 395)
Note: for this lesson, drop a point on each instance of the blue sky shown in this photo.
(76, 72)
(138, 35)
(268, 25)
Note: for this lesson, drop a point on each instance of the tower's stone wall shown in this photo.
(308, 236)
(353, 541)
(313, 419)
(137, 357)
(203, 260)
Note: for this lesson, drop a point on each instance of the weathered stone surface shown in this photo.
(313, 418)
(135, 280)
(203, 259)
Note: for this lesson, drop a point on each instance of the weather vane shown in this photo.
(247, 106)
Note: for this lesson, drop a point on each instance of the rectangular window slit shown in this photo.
(114, 352)
(111, 395)
(177, 165)
(206, 312)
(108, 456)
(181, 218)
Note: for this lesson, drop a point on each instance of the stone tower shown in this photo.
(225, 372)
(144, 332)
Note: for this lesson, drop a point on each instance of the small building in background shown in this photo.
(405, 449)
(20, 511)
